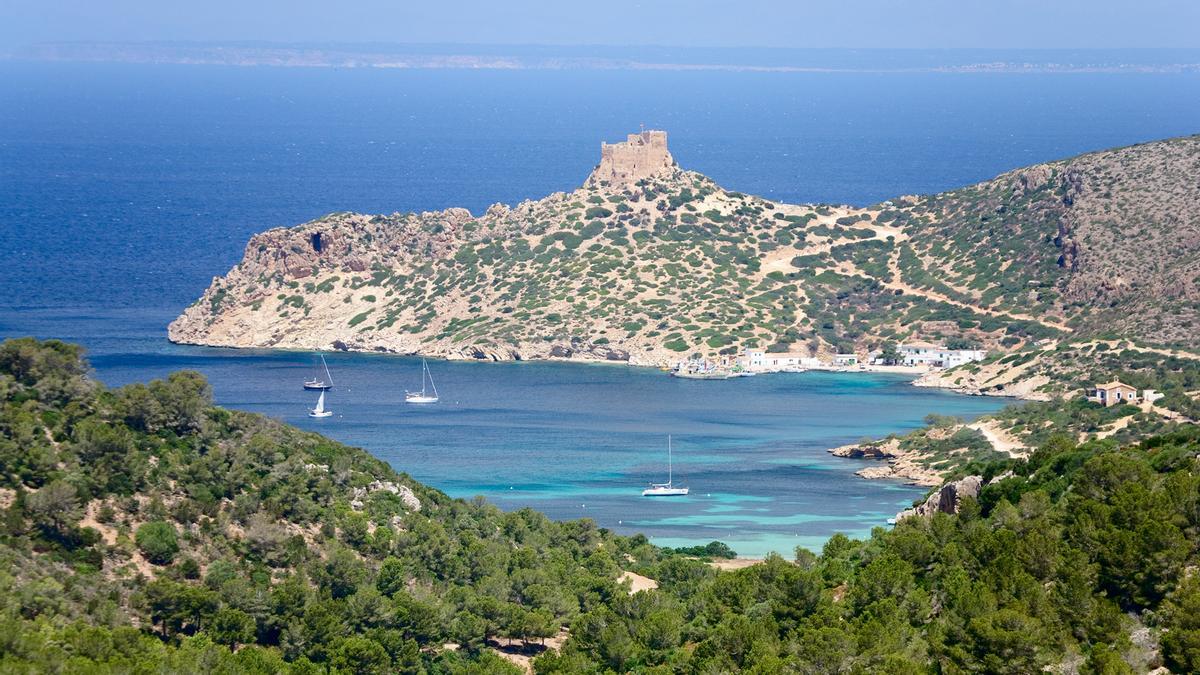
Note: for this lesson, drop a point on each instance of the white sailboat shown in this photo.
(320, 410)
(666, 489)
(317, 384)
(423, 396)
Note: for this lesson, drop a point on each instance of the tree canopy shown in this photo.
(143, 528)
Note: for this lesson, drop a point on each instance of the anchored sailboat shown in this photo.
(317, 384)
(422, 396)
(320, 410)
(666, 489)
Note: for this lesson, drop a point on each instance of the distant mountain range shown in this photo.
(1069, 257)
(508, 57)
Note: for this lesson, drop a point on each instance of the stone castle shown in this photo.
(640, 156)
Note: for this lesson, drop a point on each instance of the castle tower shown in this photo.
(641, 155)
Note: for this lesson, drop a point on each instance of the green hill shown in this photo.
(1101, 246)
(142, 529)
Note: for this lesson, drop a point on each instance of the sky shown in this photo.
(1024, 24)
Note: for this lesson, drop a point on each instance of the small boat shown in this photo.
(668, 488)
(317, 384)
(706, 375)
(320, 410)
(422, 396)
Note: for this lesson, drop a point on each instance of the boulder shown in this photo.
(946, 499)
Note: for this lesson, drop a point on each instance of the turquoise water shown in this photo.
(125, 189)
(575, 440)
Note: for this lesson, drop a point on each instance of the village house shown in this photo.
(1117, 392)
(938, 357)
(759, 360)
(845, 359)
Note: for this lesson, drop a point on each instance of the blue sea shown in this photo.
(124, 189)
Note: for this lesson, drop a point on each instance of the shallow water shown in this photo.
(576, 440)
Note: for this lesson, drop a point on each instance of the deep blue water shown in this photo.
(124, 189)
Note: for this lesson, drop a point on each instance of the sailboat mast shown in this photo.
(670, 468)
(328, 377)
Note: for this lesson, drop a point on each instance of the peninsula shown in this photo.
(1051, 268)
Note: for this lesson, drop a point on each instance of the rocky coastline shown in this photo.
(890, 461)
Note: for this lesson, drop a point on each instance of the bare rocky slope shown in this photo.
(647, 263)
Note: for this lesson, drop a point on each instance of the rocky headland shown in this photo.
(1051, 268)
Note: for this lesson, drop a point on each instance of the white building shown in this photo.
(938, 357)
(758, 360)
(845, 359)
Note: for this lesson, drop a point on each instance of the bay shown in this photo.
(124, 189)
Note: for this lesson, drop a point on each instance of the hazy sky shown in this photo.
(700, 23)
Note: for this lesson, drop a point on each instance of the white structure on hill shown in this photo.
(759, 360)
(938, 357)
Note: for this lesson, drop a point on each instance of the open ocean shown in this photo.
(124, 189)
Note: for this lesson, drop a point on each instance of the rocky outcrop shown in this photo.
(648, 264)
(893, 462)
(888, 449)
(407, 496)
(946, 499)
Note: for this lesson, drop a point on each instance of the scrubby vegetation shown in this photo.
(145, 530)
(1036, 266)
(142, 529)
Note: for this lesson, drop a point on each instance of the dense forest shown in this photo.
(143, 529)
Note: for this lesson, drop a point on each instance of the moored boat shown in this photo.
(317, 384)
(423, 396)
(667, 489)
(320, 410)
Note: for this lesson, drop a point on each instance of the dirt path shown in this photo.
(1114, 427)
(638, 582)
(1001, 440)
(734, 564)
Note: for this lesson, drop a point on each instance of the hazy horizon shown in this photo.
(860, 24)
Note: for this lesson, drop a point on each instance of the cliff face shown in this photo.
(648, 263)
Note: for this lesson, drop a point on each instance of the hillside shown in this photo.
(144, 530)
(657, 263)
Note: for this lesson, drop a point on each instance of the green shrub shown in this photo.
(676, 345)
(157, 541)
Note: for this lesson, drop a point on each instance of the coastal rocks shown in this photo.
(498, 210)
(360, 494)
(946, 499)
(484, 353)
(588, 352)
(901, 464)
(885, 450)
(1032, 179)
(610, 354)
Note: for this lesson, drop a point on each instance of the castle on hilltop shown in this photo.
(640, 156)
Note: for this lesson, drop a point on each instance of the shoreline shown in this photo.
(916, 372)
